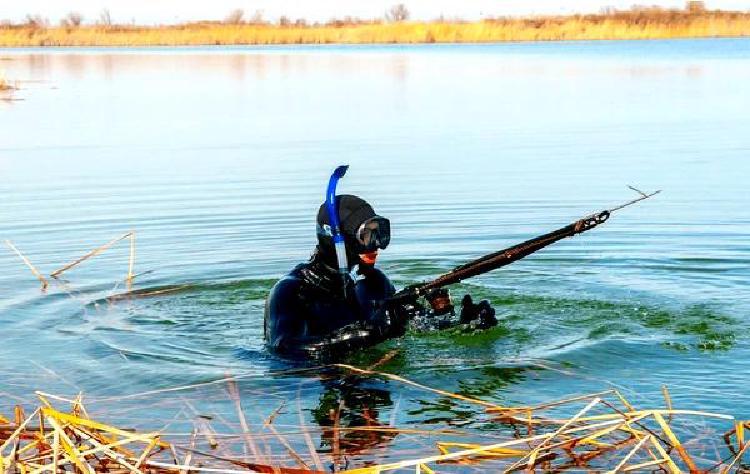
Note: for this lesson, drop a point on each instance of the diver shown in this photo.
(339, 301)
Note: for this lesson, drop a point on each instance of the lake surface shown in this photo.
(218, 158)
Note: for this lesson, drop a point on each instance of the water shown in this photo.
(218, 158)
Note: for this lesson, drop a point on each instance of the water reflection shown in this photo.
(349, 414)
(81, 65)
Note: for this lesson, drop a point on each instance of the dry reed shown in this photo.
(6, 86)
(7, 90)
(128, 278)
(26, 261)
(652, 23)
(614, 440)
(97, 251)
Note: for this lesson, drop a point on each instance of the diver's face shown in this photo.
(369, 258)
(372, 235)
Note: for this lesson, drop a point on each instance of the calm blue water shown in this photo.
(218, 158)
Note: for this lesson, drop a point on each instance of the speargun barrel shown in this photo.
(512, 254)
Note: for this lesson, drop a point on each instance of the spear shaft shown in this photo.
(512, 254)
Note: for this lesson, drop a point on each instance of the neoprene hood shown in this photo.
(352, 211)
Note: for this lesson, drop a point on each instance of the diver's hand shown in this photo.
(479, 316)
(345, 339)
(394, 316)
(440, 301)
(400, 314)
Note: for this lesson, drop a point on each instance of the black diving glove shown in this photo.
(346, 339)
(479, 316)
(396, 315)
(440, 302)
(389, 322)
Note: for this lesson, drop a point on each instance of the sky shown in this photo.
(175, 11)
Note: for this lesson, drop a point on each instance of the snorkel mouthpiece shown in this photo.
(333, 218)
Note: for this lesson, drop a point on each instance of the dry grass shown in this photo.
(7, 92)
(648, 23)
(6, 86)
(56, 274)
(603, 432)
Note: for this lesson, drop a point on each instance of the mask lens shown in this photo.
(374, 233)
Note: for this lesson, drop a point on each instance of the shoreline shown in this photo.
(284, 46)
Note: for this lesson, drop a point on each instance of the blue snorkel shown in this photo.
(333, 218)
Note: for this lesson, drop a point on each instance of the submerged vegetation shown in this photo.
(637, 23)
(700, 327)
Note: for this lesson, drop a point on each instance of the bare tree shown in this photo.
(105, 19)
(257, 18)
(72, 20)
(235, 17)
(36, 21)
(397, 13)
(695, 6)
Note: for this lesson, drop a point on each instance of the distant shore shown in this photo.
(644, 23)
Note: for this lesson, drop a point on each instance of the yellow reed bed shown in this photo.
(625, 26)
(605, 435)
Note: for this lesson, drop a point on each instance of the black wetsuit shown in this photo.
(307, 314)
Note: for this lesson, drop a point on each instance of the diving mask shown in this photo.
(373, 234)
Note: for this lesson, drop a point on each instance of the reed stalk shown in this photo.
(630, 454)
(6, 86)
(131, 260)
(532, 455)
(736, 459)
(308, 439)
(666, 458)
(28, 263)
(675, 442)
(421, 386)
(189, 453)
(92, 253)
(667, 400)
(234, 394)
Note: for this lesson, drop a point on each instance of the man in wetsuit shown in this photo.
(312, 313)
